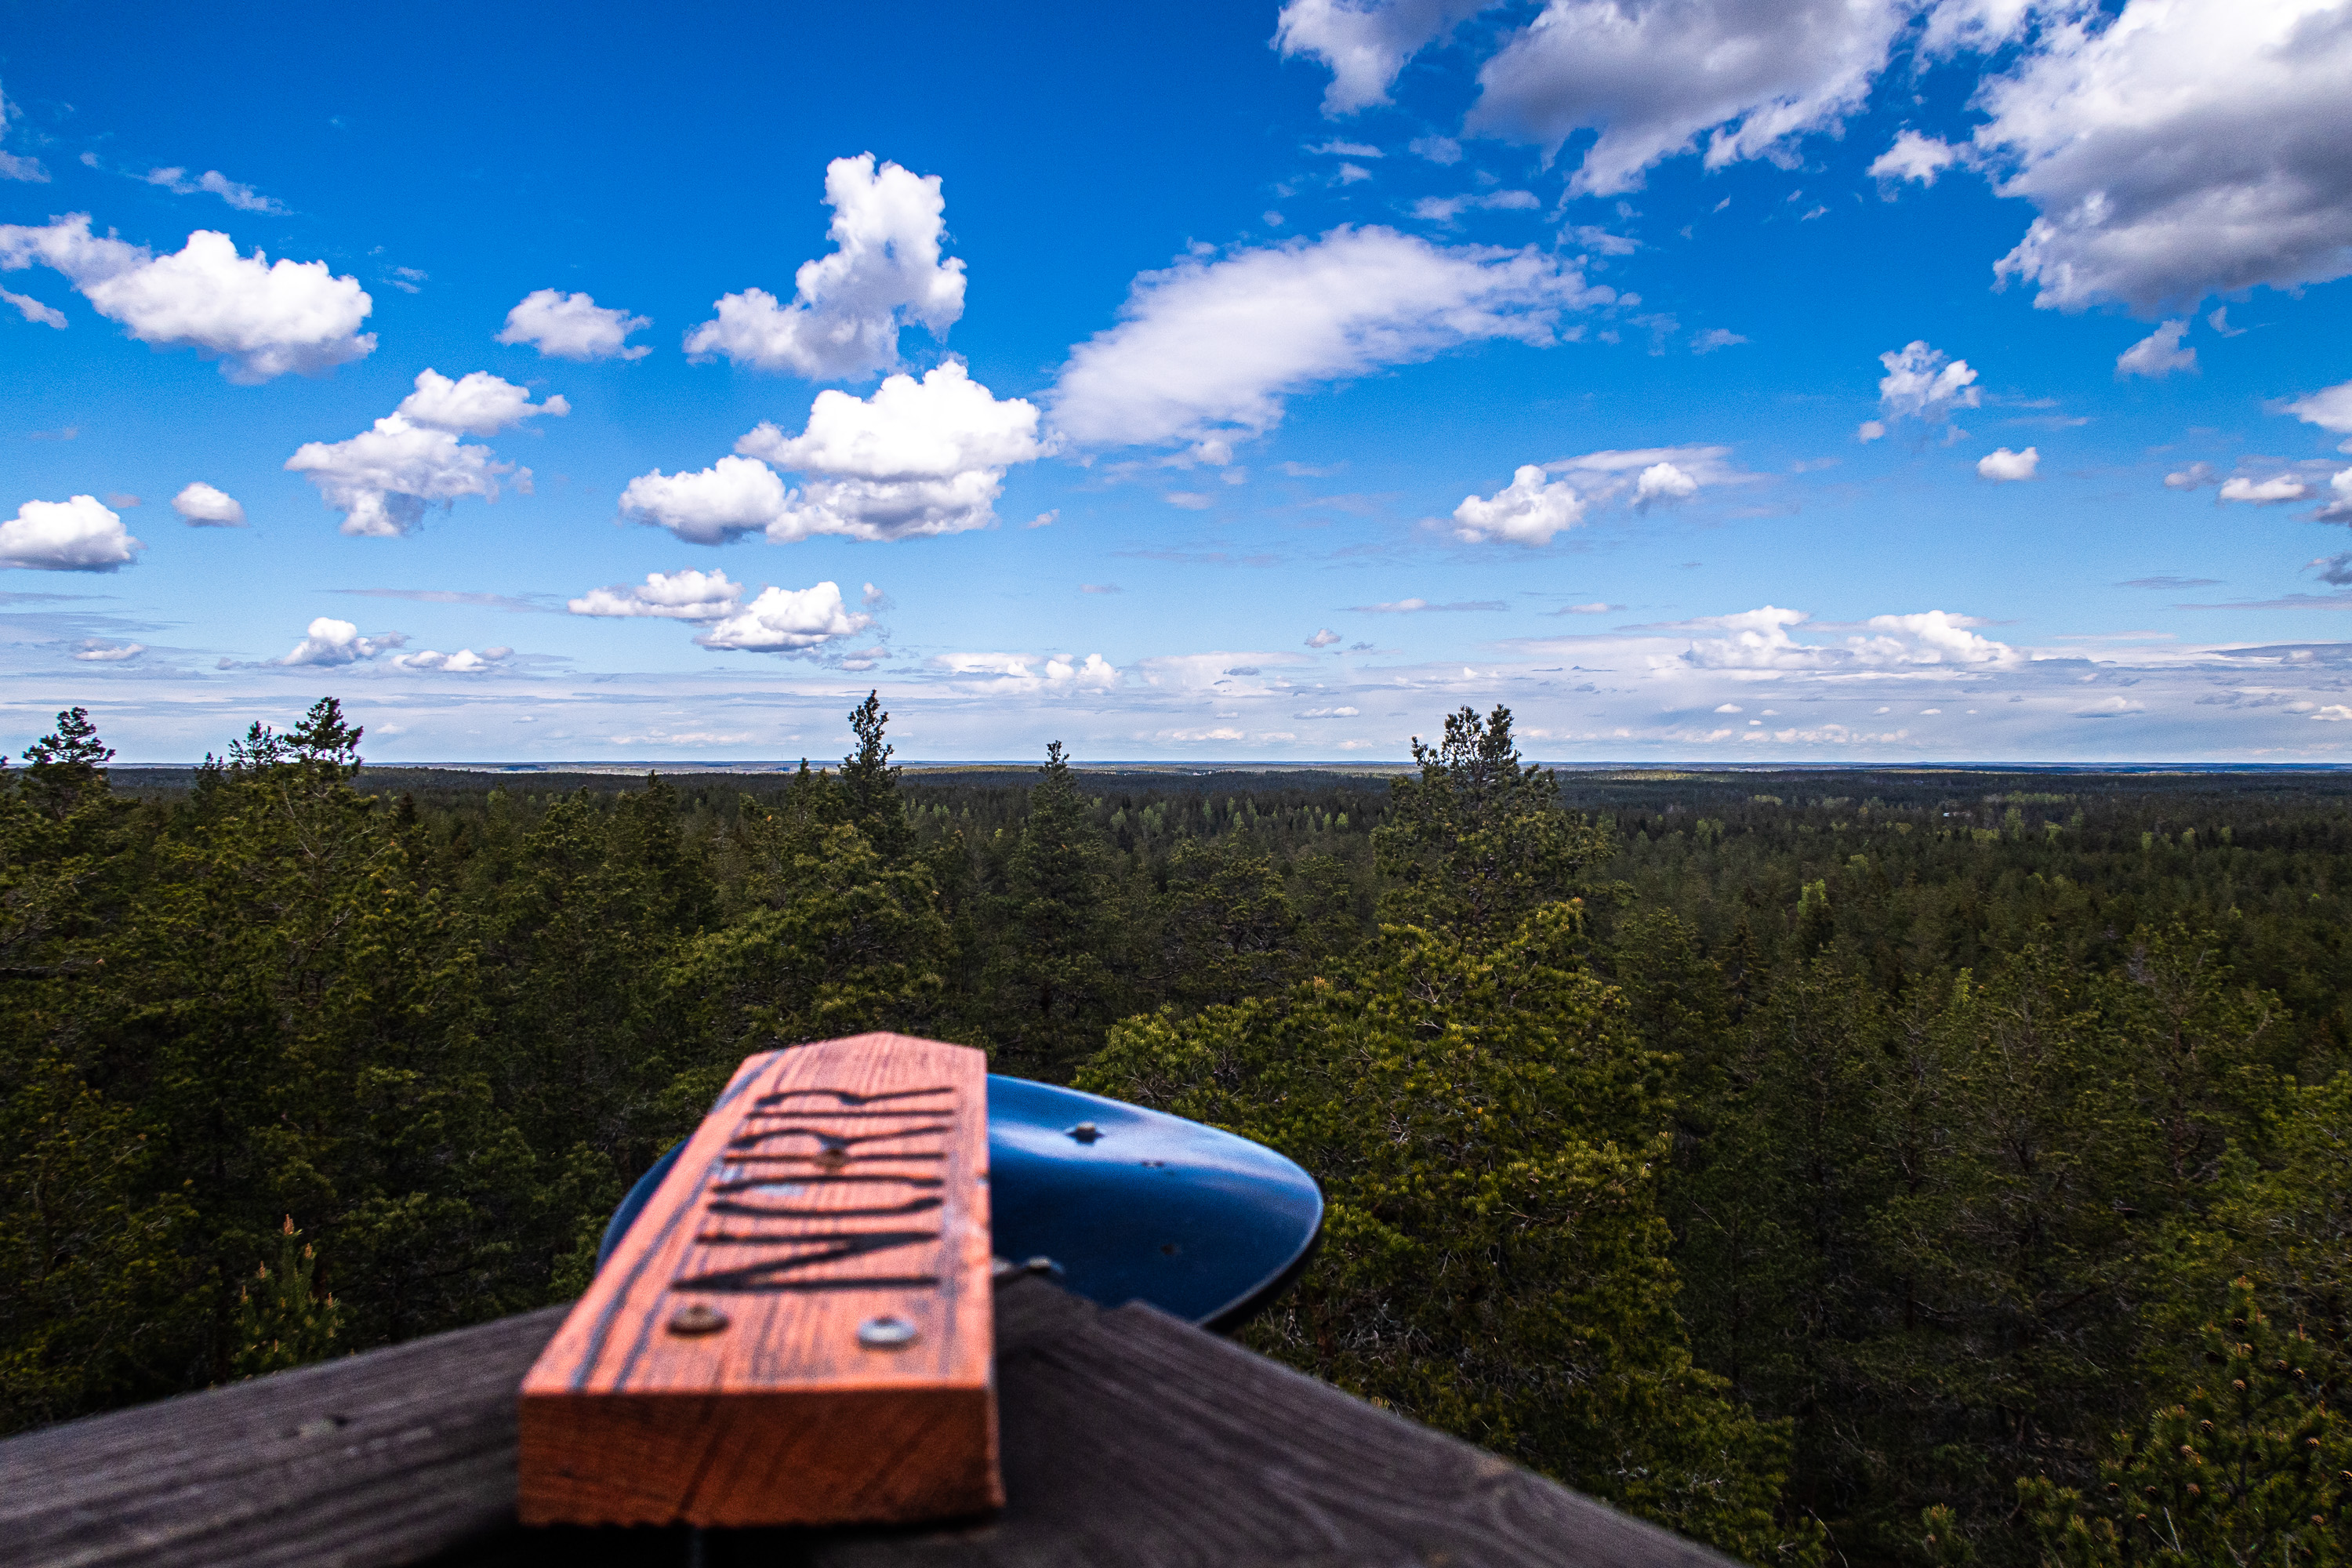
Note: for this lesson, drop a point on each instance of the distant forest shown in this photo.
(1877, 1166)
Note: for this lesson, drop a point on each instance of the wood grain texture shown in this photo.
(1133, 1440)
(374, 1459)
(717, 1374)
(1130, 1441)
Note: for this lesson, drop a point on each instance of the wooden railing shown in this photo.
(1128, 1438)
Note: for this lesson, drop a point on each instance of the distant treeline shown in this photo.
(1881, 1165)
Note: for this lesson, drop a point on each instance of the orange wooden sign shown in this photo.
(798, 1328)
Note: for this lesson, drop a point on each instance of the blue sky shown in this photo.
(1707, 379)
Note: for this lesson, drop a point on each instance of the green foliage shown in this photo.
(90, 1260)
(1052, 990)
(2250, 1468)
(1862, 1143)
(1487, 1133)
(840, 943)
(1479, 840)
(282, 1319)
(1489, 1130)
(869, 785)
(1229, 929)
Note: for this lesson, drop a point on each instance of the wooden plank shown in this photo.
(1133, 1440)
(364, 1462)
(1130, 1441)
(798, 1328)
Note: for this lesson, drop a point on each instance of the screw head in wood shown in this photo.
(695, 1319)
(885, 1334)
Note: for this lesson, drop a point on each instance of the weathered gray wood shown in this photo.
(1128, 1439)
(380, 1459)
(1132, 1439)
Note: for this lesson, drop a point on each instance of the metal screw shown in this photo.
(885, 1334)
(695, 1319)
(1086, 1133)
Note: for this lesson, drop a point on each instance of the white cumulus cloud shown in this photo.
(666, 595)
(1654, 79)
(2330, 408)
(476, 404)
(330, 642)
(1528, 510)
(1531, 511)
(78, 534)
(465, 661)
(2159, 354)
(1207, 351)
(2005, 465)
(205, 507)
(786, 620)
(1756, 639)
(1664, 481)
(1932, 636)
(1923, 383)
(2172, 148)
(1324, 637)
(383, 479)
(97, 650)
(1915, 157)
(2265, 492)
(1643, 476)
(734, 496)
(2180, 148)
(846, 309)
(1763, 639)
(1366, 45)
(1031, 673)
(260, 319)
(915, 459)
(573, 327)
(2338, 508)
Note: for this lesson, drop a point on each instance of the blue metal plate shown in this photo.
(1127, 1204)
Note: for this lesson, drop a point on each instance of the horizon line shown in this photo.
(1365, 764)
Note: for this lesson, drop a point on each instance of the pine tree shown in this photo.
(305, 1021)
(1488, 1137)
(1052, 995)
(283, 1319)
(871, 785)
(851, 944)
(1478, 840)
(1227, 930)
(64, 767)
(2252, 1469)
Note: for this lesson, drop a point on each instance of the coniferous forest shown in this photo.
(1872, 1167)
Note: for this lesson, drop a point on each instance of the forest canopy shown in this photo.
(1887, 1166)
